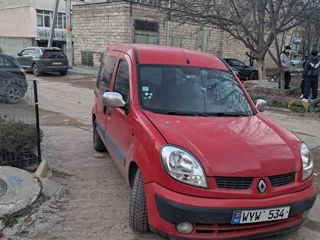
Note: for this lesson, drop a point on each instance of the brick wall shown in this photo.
(98, 25)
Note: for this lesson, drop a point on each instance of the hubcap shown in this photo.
(14, 94)
(35, 69)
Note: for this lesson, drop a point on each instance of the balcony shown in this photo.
(43, 33)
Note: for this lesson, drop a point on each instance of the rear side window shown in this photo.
(6, 63)
(122, 80)
(106, 76)
(53, 53)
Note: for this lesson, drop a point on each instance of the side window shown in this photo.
(25, 52)
(6, 63)
(122, 80)
(102, 60)
(107, 73)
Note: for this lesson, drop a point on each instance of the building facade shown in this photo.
(25, 23)
(106, 22)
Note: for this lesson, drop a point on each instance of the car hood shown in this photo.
(233, 146)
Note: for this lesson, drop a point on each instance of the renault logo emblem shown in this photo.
(262, 186)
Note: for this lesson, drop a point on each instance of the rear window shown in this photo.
(53, 53)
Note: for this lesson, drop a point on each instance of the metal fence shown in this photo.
(20, 134)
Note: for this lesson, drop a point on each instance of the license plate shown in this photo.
(260, 215)
(56, 63)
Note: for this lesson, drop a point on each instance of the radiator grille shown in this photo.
(281, 180)
(240, 183)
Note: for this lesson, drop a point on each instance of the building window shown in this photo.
(146, 32)
(44, 19)
(202, 40)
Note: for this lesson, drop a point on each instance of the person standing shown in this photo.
(285, 62)
(311, 73)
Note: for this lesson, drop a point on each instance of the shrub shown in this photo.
(18, 142)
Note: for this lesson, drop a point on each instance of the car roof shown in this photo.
(155, 54)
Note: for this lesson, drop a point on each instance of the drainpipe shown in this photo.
(53, 24)
(168, 23)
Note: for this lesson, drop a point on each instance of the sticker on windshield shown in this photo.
(193, 77)
(145, 88)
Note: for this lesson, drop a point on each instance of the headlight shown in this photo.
(307, 163)
(183, 167)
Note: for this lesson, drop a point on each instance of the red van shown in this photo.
(203, 162)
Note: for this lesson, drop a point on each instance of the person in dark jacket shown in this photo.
(311, 73)
(285, 62)
(302, 85)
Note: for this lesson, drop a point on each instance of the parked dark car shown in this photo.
(244, 71)
(13, 83)
(42, 59)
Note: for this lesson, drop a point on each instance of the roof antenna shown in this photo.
(188, 61)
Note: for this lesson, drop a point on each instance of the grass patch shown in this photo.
(277, 105)
(297, 108)
(317, 109)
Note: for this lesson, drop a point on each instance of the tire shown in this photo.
(254, 76)
(63, 73)
(13, 94)
(98, 145)
(315, 103)
(138, 216)
(36, 70)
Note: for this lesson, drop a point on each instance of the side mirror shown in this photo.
(19, 54)
(261, 105)
(113, 99)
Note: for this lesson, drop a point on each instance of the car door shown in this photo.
(21, 58)
(119, 131)
(29, 57)
(105, 75)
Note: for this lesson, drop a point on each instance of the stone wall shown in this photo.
(98, 25)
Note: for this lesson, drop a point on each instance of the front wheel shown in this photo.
(254, 76)
(13, 94)
(138, 216)
(98, 145)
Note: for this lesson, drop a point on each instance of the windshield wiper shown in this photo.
(229, 114)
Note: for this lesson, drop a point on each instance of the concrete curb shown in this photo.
(42, 170)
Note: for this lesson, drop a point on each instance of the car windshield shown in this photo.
(185, 90)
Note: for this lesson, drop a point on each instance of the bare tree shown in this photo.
(255, 23)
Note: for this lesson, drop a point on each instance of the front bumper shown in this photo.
(212, 217)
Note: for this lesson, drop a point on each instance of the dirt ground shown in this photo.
(96, 202)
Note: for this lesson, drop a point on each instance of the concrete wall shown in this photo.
(18, 22)
(14, 3)
(96, 26)
(13, 45)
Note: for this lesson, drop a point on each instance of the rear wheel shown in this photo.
(138, 216)
(13, 94)
(254, 76)
(98, 145)
(63, 73)
(36, 70)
